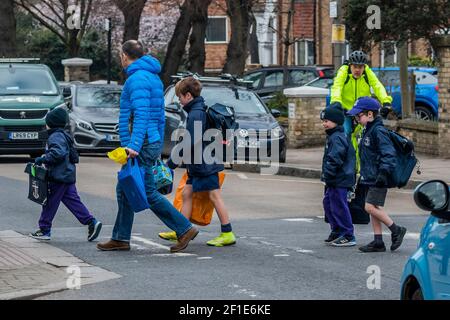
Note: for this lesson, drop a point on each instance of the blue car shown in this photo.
(426, 102)
(427, 273)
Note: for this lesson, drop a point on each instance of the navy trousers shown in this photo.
(67, 194)
(337, 212)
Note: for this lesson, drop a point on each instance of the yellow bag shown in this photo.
(118, 155)
(202, 207)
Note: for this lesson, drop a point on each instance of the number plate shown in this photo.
(112, 137)
(24, 135)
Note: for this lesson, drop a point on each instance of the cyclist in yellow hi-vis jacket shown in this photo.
(354, 80)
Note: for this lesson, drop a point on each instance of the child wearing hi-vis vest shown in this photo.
(201, 176)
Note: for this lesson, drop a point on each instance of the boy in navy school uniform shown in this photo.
(338, 173)
(62, 176)
(378, 160)
(201, 176)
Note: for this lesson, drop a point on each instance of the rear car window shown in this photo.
(274, 79)
(301, 77)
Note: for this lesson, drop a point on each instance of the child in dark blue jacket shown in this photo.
(378, 161)
(60, 162)
(338, 173)
(202, 176)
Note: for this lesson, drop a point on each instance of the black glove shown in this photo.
(171, 164)
(382, 180)
(39, 160)
(385, 109)
(337, 105)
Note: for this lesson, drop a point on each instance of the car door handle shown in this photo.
(431, 245)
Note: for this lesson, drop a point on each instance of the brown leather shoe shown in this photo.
(112, 245)
(183, 241)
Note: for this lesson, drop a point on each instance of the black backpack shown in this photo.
(221, 117)
(406, 160)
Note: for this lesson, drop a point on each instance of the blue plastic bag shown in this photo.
(162, 174)
(131, 179)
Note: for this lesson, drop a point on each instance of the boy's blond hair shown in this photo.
(189, 84)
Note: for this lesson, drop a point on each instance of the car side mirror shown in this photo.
(67, 92)
(173, 107)
(433, 196)
(276, 113)
(330, 83)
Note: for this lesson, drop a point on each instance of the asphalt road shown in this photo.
(279, 252)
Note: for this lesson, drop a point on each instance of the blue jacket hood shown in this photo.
(147, 63)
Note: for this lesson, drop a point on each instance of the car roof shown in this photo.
(290, 67)
(219, 84)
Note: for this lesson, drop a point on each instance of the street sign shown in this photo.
(333, 9)
(338, 33)
(291, 110)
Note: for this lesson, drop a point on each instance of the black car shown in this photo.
(258, 128)
(269, 80)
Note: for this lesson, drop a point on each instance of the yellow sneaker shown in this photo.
(225, 239)
(171, 236)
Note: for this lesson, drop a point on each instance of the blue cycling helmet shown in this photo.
(364, 104)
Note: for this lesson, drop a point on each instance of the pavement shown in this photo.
(307, 163)
(30, 268)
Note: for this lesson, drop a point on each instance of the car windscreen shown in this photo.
(98, 97)
(243, 101)
(19, 81)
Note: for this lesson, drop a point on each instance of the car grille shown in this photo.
(23, 128)
(23, 114)
(17, 144)
(108, 144)
(112, 128)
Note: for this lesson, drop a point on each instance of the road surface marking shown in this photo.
(204, 258)
(160, 246)
(242, 176)
(281, 255)
(304, 251)
(299, 219)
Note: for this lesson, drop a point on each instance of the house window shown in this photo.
(305, 53)
(388, 54)
(217, 30)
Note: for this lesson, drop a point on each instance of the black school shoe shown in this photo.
(373, 247)
(397, 238)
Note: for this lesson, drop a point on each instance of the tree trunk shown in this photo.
(177, 43)
(132, 11)
(404, 83)
(8, 29)
(197, 54)
(287, 38)
(73, 44)
(253, 41)
(239, 13)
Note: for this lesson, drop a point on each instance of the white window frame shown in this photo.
(226, 31)
(297, 58)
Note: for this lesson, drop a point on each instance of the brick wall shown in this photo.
(216, 53)
(303, 22)
(323, 43)
(443, 54)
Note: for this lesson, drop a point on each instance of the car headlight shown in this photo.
(243, 133)
(277, 132)
(84, 125)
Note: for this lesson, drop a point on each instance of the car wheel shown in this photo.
(282, 156)
(423, 113)
(417, 294)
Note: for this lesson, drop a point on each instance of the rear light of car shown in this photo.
(436, 88)
(321, 74)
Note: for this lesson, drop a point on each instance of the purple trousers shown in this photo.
(67, 194)
(337, 212)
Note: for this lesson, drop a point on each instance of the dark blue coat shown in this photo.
(376, 152)
(196, 110)
(339, 160)
(57, 157)
(143, 97)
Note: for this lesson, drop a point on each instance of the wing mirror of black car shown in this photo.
(276, 113)
(173, 107)
(433, 196)
(67, 92)
(330, 83)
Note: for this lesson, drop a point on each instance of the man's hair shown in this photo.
(133, 49)
(189, 84)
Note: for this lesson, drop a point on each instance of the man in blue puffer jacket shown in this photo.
(141, 129)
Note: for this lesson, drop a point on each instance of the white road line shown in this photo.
(304, 251)
(299, 220)
(242, 176)
(321, 217)
(281, 255)
(204, 258)
(160, 246)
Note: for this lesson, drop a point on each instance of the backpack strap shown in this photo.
(365, 76)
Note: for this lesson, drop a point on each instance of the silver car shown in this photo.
(94, 116)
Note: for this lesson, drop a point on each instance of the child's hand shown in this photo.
(39, 160)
